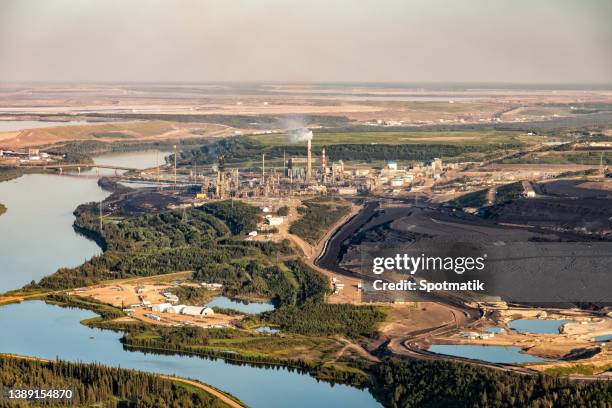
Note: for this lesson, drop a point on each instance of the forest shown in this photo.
(162, 242)
(239, 149)
(95, 384)
(326, 319)
(430, 384)
(317, 215)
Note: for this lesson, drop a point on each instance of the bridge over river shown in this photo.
(97, 166)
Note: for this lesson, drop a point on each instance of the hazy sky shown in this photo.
(554, 41)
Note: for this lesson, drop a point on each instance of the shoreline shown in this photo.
(225, 397)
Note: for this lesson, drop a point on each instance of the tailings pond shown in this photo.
(492, 354)
(537, 326)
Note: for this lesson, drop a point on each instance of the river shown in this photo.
(67, 339)
(36, 238)
(36, 234)
(39, 207)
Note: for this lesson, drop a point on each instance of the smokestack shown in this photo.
(263, 169)
(324, 164)
(309, 165)
(290, 169)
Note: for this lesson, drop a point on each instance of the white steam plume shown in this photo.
(300, 135)
(296, 129)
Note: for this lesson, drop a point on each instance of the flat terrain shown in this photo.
(404, 137)
(112, 132)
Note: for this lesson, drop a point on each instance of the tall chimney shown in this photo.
(324, 164)
(309, 166)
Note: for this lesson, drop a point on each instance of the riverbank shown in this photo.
(102, 385)
(257, 385)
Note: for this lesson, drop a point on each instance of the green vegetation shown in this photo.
(582, 369)
(238, 121)
(474, 199)
(286, 283)
(85, 149)
(573, 157)
(317, 216)
(480, 198)
(10, 173)
(240, 218)
(577, 173)
(160, 243)
(111, 135)
(508, 192)
(97, 385)
(239, 150)
(192, 295)
(326, 319)
(283, 211)
(2, 209)
(240, 346)
(105, 311)
(426, 384)
(330, 137)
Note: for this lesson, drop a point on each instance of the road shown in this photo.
(223, 397)
(325, 259)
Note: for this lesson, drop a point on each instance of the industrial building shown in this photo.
(197, 311)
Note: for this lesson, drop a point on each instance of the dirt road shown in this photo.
(218, 394)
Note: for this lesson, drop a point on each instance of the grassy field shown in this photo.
(407, 137)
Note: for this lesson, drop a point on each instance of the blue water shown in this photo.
(267, 330)
(36, 234)
(37, 329)
(605, 337)
(240, 305)
(537, 325)
(493, 354)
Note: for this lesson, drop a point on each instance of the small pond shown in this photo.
(267, 330)
(492, 354)
(537, 325)
(243, 306)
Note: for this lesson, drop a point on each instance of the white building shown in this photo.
(192, 310)
(161, 307)
(197, 311)
(274, 220)
(175, 309)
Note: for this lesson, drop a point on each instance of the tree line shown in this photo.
(429, 384)
(95, 384)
